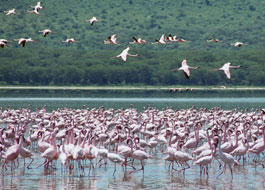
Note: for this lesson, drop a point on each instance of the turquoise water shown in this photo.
(76, 99)
(156, 174)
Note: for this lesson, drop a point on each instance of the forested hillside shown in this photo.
(49, 61)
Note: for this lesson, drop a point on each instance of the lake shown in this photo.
(156, 174)
(116, 99)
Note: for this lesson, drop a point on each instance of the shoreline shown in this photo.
(127, 88)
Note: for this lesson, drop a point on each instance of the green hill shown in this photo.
(48, 61)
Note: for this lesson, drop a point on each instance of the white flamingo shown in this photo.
(124, 54)
(93, 20)
(226, 68)
(112, 40)
(185, 68)
(138, 41)
(45, 32)
(160, 41)
(70, 40)
(238, 44)
(10, 12)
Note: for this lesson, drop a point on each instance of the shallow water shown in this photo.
(156, 174)
(116, 99)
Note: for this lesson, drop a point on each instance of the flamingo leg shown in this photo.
(32, 159)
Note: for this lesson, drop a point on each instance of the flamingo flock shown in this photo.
(184, 138)
(112, 40)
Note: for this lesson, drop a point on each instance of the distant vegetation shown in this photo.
(49, 62)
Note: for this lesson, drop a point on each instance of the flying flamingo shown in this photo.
(23, 41)
(185, 68)
(124, 54)
(214, 40)
(45, 32)
(226, 68)
(112, 40)
(93, 20)
(38, 6)
(3, 44)
(35, 11)
(10, 12)
(238, 44)
(70, 40)
(138, 41)
(160, 41)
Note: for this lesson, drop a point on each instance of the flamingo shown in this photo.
(112, 40)
(3, 44)
(185, 68)
(214, 40)
(139, 155)
(226, 68)
(93, 20)
(160, 41)
(116, 159)
(23, 41)
(35, 11)
(238, 44)
(260, 146)
(205, 161)
(12, 152)
(70, 40)
(38, 6)
(228, 159)
(138, 41)
(10, 12)
(45, 32)
(124, 54)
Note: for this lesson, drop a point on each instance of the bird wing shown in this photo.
(134, 39)
(124, 57)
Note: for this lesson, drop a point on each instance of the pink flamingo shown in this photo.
(226, 68)
(185, 68)
(124, 54)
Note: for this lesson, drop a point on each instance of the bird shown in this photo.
(214, 40)
(70, 40)
(38, 6)
(228, 159)
(238, 44)
(45, 32)
(185, 68)
(10, 12)
(160, 41)
(23, 41)
(112, 40)
(226, 68)
(138, 41)
(3, 43)
(93, 20)
(35, 11)
(124, 54)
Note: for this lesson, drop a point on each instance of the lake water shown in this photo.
(76, 99)
(156, 175)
